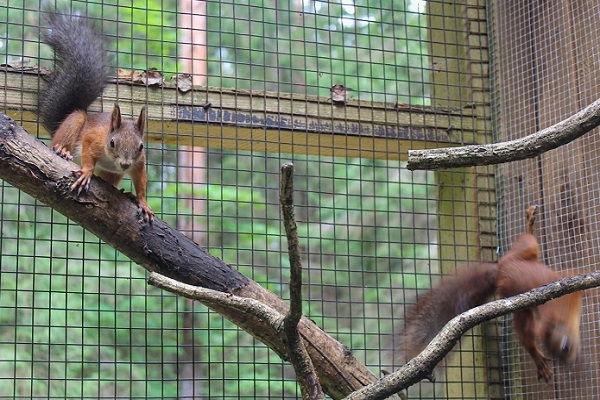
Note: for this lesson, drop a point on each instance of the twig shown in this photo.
(422, 365)
(286, 199)
(209, 297)
(299, 358)
(514, 150)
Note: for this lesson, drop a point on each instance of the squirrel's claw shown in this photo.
(63, 153)
(82, 184)
(543, 368)
(147, 213)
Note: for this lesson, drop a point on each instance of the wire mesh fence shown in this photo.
(546, 58)
(342, 89)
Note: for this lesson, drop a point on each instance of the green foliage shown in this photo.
(141, 34)
(78, 318)
(375, 48)
(72, 312)
(364, 228)
(87, 319)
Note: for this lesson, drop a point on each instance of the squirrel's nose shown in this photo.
(125, 166)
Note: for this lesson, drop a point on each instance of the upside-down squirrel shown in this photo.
(104, 143)
(555, 323)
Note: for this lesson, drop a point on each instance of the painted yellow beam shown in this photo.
(263, 121)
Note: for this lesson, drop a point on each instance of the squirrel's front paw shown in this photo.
(83, 182)
(147, 212)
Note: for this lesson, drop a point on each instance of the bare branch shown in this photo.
(29, 165)
(496, 153)
(287, 325)
(210, 297)
(286, 199)
(299, 358)
(421, 367)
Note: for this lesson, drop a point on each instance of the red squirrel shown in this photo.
(555, 324)
(104, 143)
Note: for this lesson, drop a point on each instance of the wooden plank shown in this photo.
(459, 55)
(264, 121)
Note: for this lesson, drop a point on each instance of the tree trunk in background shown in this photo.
(192, 169)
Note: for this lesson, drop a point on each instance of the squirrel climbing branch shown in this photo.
(519, 149)
(421, 367)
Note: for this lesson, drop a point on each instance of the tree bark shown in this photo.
(115, 218)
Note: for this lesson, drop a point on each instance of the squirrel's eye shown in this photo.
(112, 143)
(141, 147)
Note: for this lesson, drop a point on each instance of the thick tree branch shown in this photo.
(421, 367)
(299, 358)
(530, 146)
(115, 218)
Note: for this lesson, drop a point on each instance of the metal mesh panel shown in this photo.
(77, 318)
(546, 70)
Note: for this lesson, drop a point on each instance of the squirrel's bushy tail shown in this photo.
(80, 67)
(470, 287)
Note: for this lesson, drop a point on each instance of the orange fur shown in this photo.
(106, 144)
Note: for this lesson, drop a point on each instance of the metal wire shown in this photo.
(78, 319)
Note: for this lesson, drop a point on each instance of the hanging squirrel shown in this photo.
(104, 143)
(555, 323)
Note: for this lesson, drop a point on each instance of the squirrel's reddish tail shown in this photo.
(471, 286)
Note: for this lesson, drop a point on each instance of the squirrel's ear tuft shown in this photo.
(140, 123)
(115, 118)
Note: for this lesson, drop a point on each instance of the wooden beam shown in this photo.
(459, 54)
(263, 121)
